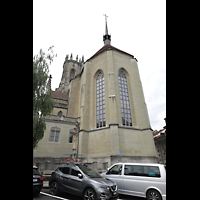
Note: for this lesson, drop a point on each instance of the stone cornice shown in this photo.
(61, 119)
(61, 105)
(123, 127)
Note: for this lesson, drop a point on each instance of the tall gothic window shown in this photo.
(100, 100)
(124, 99)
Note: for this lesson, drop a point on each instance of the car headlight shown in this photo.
(104, 187)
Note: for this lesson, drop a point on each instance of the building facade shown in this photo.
(160, 143)
(104, 94)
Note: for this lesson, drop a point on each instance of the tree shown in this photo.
(42, 99)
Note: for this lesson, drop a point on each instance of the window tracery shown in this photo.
(124, 99)
(100, 101)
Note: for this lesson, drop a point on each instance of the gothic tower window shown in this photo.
(124, 99)
(72, 74)
(100, 100)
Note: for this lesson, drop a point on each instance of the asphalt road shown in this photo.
(64, 196)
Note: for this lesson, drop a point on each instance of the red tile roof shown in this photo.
(59, 95)
(108, 47)
(160, 133)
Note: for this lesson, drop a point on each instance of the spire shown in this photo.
(106, 37)
(106, 28)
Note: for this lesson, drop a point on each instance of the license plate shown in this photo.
(35, 180)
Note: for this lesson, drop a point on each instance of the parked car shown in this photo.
(37, 180)
(79, 179)
(139, 179)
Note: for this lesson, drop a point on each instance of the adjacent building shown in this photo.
(160, 143)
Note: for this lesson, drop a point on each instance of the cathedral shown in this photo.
(100, 115)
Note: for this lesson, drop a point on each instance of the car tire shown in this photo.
(89, 194)
(54, 188)
(153, 194)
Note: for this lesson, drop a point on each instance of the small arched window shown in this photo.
(100, 101)
(60, 113)
(71, 136)
(124, 98)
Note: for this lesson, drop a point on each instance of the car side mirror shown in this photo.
(107, 170)
(80, 175)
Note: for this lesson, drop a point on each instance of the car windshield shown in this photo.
(36, 172)
(90, 172)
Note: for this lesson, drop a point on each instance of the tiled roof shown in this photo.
(59, 95)
(160, 133)
(107, 47)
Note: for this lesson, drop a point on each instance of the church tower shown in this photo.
(71, 68)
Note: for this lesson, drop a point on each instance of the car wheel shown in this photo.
(54, 188)
(89, 194)
(153, 195)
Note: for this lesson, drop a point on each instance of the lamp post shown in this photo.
(75, 137)
(78, 120)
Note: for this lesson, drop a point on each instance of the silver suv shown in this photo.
(79, 179)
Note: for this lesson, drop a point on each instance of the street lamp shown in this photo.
(78, 135)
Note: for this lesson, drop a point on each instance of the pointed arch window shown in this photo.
(72, 74)
(100, 101)
(124, 99)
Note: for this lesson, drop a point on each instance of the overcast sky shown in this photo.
(137, 27)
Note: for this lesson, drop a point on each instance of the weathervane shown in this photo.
(105, 16)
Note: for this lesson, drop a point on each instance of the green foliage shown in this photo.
(42, 99)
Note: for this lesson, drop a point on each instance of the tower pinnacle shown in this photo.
(106, 37)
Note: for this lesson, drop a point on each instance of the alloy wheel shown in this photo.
(153, 195)
(54, 188)
(89, 195)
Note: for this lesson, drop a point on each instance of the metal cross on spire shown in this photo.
(105, 16)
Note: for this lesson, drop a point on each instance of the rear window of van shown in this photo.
(137, 170)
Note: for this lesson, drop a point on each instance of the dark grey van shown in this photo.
(81, 180)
